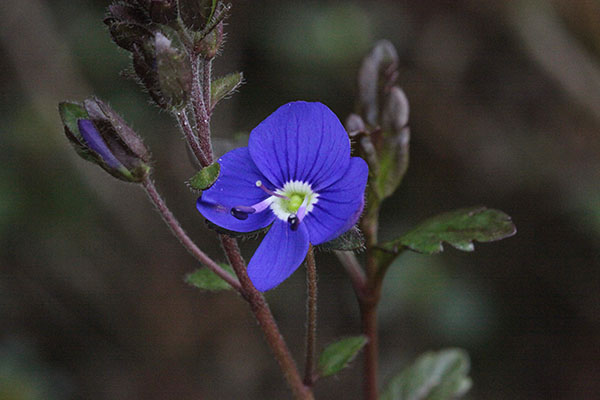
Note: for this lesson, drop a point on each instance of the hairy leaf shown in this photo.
(349, 241)
(458, 228)
(206, 177)
(224, 86)
(438, 375)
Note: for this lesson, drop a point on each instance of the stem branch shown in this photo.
(354, 270)
(185, 240)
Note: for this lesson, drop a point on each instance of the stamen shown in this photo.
(302, 210)
(294, 222)
(269, 192)
(241, 212)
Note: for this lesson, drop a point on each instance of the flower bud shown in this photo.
(376, 76)
(354, 125)
(100, 135)
(385, 109)
(174, 72)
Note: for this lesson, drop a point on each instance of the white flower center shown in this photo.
(298, 200)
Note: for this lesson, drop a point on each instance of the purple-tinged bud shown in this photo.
(396, 111)
(377, 75)
(100, 135)
(354, 125)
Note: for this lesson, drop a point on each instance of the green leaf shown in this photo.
(225, 86)
(204, 278)
(206, 177)
(337, 355)
(458, 228)
(438, 375)
(351, 240)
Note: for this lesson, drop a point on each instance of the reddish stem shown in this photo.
(265, 319)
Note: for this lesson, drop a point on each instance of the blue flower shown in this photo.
(297, 176)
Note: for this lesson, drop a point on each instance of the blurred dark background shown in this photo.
(505, 112)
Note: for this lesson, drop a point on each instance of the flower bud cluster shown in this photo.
(100, 135)
(380, 131)
(163, 36)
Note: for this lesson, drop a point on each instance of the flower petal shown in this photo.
(235, 186)
(278, 256)
(339, 205)
(94, 141)
(301, 141)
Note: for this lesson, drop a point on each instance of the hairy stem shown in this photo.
(311, 317)
(200, 100)
(200, 92)
(185, 240)
(265, 319)
(190, 137)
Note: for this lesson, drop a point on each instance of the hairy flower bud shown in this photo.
(174, 72)
(100, 135)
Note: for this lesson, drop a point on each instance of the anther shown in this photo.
(241, 212)
(270, 192)
(294, 222)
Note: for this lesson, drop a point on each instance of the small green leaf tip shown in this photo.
(206, 177)
(441, 375)
(223, 87)
(205, 279)
(458, 228)
(338, 355)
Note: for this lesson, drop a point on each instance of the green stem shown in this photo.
(311, 317)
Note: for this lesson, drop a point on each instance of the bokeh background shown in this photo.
(505, 112)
